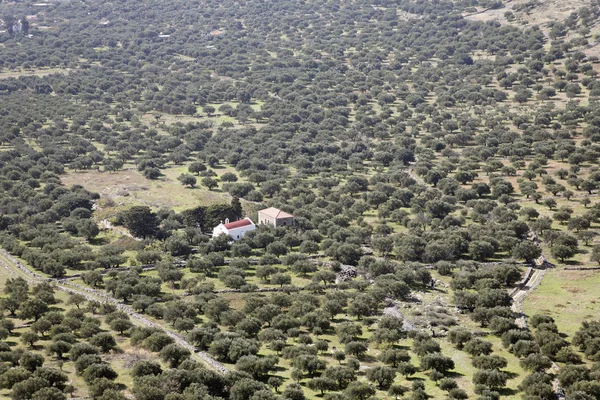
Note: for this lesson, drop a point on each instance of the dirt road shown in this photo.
(15, 267)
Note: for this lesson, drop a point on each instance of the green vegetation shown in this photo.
(568, 296)
(431, 152)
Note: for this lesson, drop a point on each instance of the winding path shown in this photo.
(532, 280)
(518, 296)
(411, 172)
(16, 267)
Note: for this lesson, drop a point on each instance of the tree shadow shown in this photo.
(98, 241)
(339, 320)
(55, 308)
(507, 391)
(453, 374)
(279, 368)
(511, 375)
(121, 386)
(367, 358)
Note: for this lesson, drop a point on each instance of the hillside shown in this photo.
(439, 159)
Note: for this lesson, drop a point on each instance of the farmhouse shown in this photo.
(236, 229)
(275, 217)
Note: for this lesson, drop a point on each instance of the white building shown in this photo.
(236, 229)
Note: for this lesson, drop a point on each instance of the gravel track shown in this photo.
(393, 311)
(518, 296)
(15, 266)
(411, 172)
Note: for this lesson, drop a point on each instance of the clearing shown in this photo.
(129, 187)
(543, 12)
(33, 72)
(568, 296)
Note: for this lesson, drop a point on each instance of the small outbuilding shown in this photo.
(275, 217)
(236, 229)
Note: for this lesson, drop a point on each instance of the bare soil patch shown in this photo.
(33, 72)
(545, 11)
(129, 187)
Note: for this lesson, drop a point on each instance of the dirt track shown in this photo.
(518, 297)
(535, 278)
(16, 267)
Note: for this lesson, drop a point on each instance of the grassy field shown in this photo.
(216, 118)
(129, 187)
(570, 297)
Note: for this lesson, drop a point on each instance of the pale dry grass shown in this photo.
(570, 297)
(129, 187)
(546, 11)
(6, 74)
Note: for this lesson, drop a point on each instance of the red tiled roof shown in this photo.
(238, 224)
